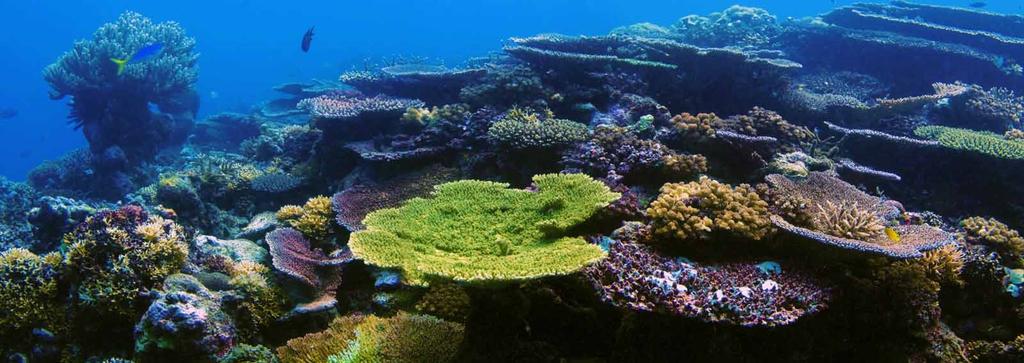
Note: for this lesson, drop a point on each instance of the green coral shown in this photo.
(88, 67)
(448, 301)
(317, 347)
(975, 141)
(520, 129)
(260, 303)
(245, 353)
(29, 293)
(403, 338)
(475, 230)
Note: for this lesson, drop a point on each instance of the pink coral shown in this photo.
(354, 203)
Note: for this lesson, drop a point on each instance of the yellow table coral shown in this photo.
(473, 230)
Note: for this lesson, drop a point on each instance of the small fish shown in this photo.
(307, 39)
(978, 4)
(6, 113)
(145, 52)
(892, 234)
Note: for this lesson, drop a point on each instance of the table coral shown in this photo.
(694, 210)
(531, 132)
(403, 338)
(355, 202)
(473, 230)
(829, 201)
(293, 256)
(982, 142)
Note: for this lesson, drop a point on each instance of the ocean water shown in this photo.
(248, 47)
(511, 181)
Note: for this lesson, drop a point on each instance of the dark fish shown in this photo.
(978, 4)
(6, 113)
(145, 52)
(306, 39)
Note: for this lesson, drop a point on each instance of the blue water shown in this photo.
(248, 46)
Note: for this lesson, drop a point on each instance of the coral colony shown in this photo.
(730, 187)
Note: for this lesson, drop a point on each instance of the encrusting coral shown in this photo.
(695, 210)
(448, 301)
(473, 230)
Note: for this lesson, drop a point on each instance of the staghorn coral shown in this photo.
(822, 192)
(847, 220)
(697, 209)
(982, 142)
(944, 264)
(29, 293)
(994, 234)
(403, 338)
(355, 202)
(508, 234)
(293, 256)
(638, 278)
(313, 219)
(942, 91)
(447, 301)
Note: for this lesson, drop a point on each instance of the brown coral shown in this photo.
(995, 234)
(699, 125)
(695, 209)
(314, 219)
(819, 190)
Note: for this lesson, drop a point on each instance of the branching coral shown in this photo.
(522, 129)
(974, 141)
(636, 277)
(403, 338)
(313, 219)
(358, 338)
(762, 122)
(29, 293)
(474, 230)
(699, 125)
(831, 222)
(697, 209)
(115, 255)
(995, 234)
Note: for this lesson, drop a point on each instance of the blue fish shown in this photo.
(145, 52)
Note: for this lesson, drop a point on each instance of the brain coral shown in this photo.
(832, 223)
(695, 209)
(473, 230)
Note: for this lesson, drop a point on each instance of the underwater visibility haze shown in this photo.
(512, 181)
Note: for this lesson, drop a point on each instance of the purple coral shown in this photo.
(354, 203)
(636, 277)
(185, 323)
(619, 151)
(293, 256)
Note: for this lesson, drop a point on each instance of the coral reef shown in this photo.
(994, 234)
(509, 234)
(695, 210)
(313, 219)
(844, 217)
(293, 256)
(29, 293)
(355, 202)
(185, 322)
(530, 131)
(983, 142)
(617, 150)
(635, 277)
